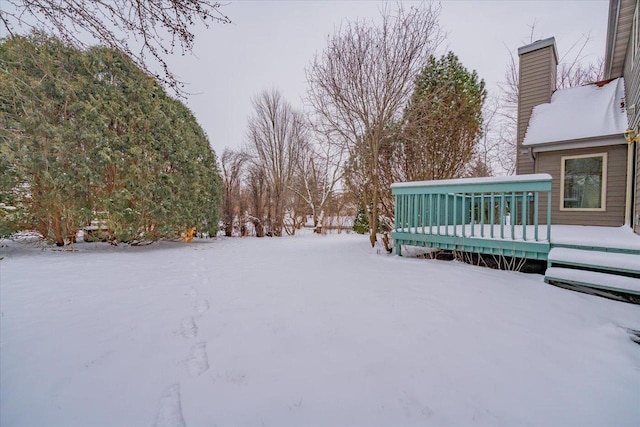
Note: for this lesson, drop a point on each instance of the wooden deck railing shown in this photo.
(487, 215)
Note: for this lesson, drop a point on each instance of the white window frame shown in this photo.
(603, 194)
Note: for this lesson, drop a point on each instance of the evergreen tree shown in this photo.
(442, 122)
(361, 223)
(88, 133)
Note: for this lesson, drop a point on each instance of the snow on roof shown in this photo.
(589, 111)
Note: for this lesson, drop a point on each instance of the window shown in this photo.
(583, 182)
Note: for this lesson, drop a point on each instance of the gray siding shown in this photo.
(537, 77)
(632, 91)
(550, 162)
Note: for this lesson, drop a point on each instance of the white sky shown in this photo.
(269, 45)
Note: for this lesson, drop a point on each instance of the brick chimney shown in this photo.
(537, 80)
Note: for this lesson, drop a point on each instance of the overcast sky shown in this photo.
(270, 43)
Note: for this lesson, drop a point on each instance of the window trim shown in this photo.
(603, 194)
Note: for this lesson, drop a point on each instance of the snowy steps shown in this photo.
(597, 269)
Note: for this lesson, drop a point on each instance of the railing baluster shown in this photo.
(416, 213)
(472, 221)
(446, 214)
(502, 215)
(455, 212)
(395, 212)
(525, 202)
(405, 220)
(513, 214)
(493, 213)
(482, 215)
(430, 213)
(401, 212)
(438, 213)
(536, 206)
(423, 212)
(463, 213)
(412, 203)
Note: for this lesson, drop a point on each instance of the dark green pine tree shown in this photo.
(443, 121)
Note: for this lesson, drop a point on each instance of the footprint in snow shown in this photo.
(192, 292)
(170, 409)
(198, 362)
(189, 329)
(202, 306)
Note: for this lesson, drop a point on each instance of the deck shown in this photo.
(510, 217)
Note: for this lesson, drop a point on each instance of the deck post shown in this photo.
(525, 201)
(549, 216)
(536, 206)
(395, 212)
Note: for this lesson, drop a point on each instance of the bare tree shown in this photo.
(158, 27)
(257, 194)
(359, 84)
(318, 172)
(276, 136)
(232, 165)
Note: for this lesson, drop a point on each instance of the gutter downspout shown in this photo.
(631, 136)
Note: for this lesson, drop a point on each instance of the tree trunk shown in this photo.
(57, 231)
(259, 229)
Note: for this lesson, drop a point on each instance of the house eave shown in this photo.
(574, 144)
(618, 31)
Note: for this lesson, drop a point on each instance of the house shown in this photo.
(575, 199)
(622, 58)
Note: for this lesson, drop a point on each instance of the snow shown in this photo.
(576, 235)
(468, 181)
(614, 260)
(598, 280)
(484, 231)
(605, 237)
(579, 112)
(307, 330)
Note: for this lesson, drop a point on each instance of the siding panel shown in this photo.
(632, 91)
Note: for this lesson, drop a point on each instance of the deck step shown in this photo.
(606, 281)
(626, 264)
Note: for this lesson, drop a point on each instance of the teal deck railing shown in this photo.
(485, 215)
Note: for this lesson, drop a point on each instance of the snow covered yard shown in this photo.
(305, 331)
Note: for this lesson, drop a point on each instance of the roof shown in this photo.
(584, 112)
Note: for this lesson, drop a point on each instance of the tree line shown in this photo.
(87, 134)
(383, 107)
